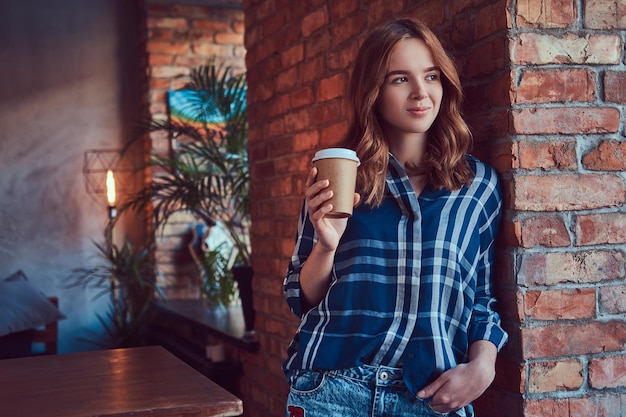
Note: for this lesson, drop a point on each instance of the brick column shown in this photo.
(566, 215)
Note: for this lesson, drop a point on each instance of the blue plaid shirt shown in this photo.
(412, 282)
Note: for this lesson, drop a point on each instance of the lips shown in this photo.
(418, 111)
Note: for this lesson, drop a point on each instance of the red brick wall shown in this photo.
(545, 85)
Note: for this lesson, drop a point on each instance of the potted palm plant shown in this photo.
(124, 274)
(206, 171)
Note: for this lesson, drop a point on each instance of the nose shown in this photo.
(418, 90)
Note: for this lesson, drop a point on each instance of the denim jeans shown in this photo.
(372, 391)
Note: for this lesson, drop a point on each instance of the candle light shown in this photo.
(110, 188)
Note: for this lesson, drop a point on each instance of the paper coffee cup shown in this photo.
(338, 166)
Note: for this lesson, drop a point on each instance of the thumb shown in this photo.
(429, 390)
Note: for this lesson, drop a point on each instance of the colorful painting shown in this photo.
(194, 107)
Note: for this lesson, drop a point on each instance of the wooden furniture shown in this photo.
(184, 327)
(113, 383)
(47, 336)
(227, 325)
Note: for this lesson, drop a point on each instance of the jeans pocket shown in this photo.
(307, 382)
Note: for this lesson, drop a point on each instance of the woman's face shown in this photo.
(410, 97)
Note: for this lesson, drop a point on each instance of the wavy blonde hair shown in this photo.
(449, 138)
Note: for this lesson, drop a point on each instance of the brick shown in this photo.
(343, 58)
(225, 38)
(210, 25)
(333, 134)
(555, 376)
(551, 86)
(210, 50)
(608, 156)
(566, 304)
(332, 87)
(167, 23)
(543, 230)
(302, 97)
(576, 267)
(348, 28)
(603, 405)
(310, 70)
(290, 165)
(573, 339)
(314, 21)
(567, 192)
(162, 35)
(600, 228)
(615, 86)
(297, 121)
(342, 8)
(608, 372)
(280, 105)
(546, 13)
(530, 48)
(546, 407)
(292, 55)
(286, 80)
(159, 59)
(168, 71)
(305, 141)
(565, 120)
(274, 22)
(380, 10)
(319, 43)
(433, 12)
(613, 299)
(548, 155)
(605, 14)
(196, 11)
(169, 48)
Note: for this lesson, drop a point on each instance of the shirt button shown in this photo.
(384, 376)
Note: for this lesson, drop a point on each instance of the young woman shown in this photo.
(396, 302)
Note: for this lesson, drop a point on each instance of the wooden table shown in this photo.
(119, 382)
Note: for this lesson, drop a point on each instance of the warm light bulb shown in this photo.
(110, 188)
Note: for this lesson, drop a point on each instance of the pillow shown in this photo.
(22, 307)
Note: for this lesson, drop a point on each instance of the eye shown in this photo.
(432, 76)
(400, 80)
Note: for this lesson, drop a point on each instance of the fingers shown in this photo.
(430, 390)
(311, 177)
(316, 196)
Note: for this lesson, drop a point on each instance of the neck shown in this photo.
(409, 150)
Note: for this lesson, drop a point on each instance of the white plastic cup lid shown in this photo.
(343, 153)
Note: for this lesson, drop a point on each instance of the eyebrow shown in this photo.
(402, 72)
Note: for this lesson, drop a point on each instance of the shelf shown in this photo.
(226, 324)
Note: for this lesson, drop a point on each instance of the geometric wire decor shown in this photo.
(97, 162)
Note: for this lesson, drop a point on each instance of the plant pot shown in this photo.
(243, 277)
